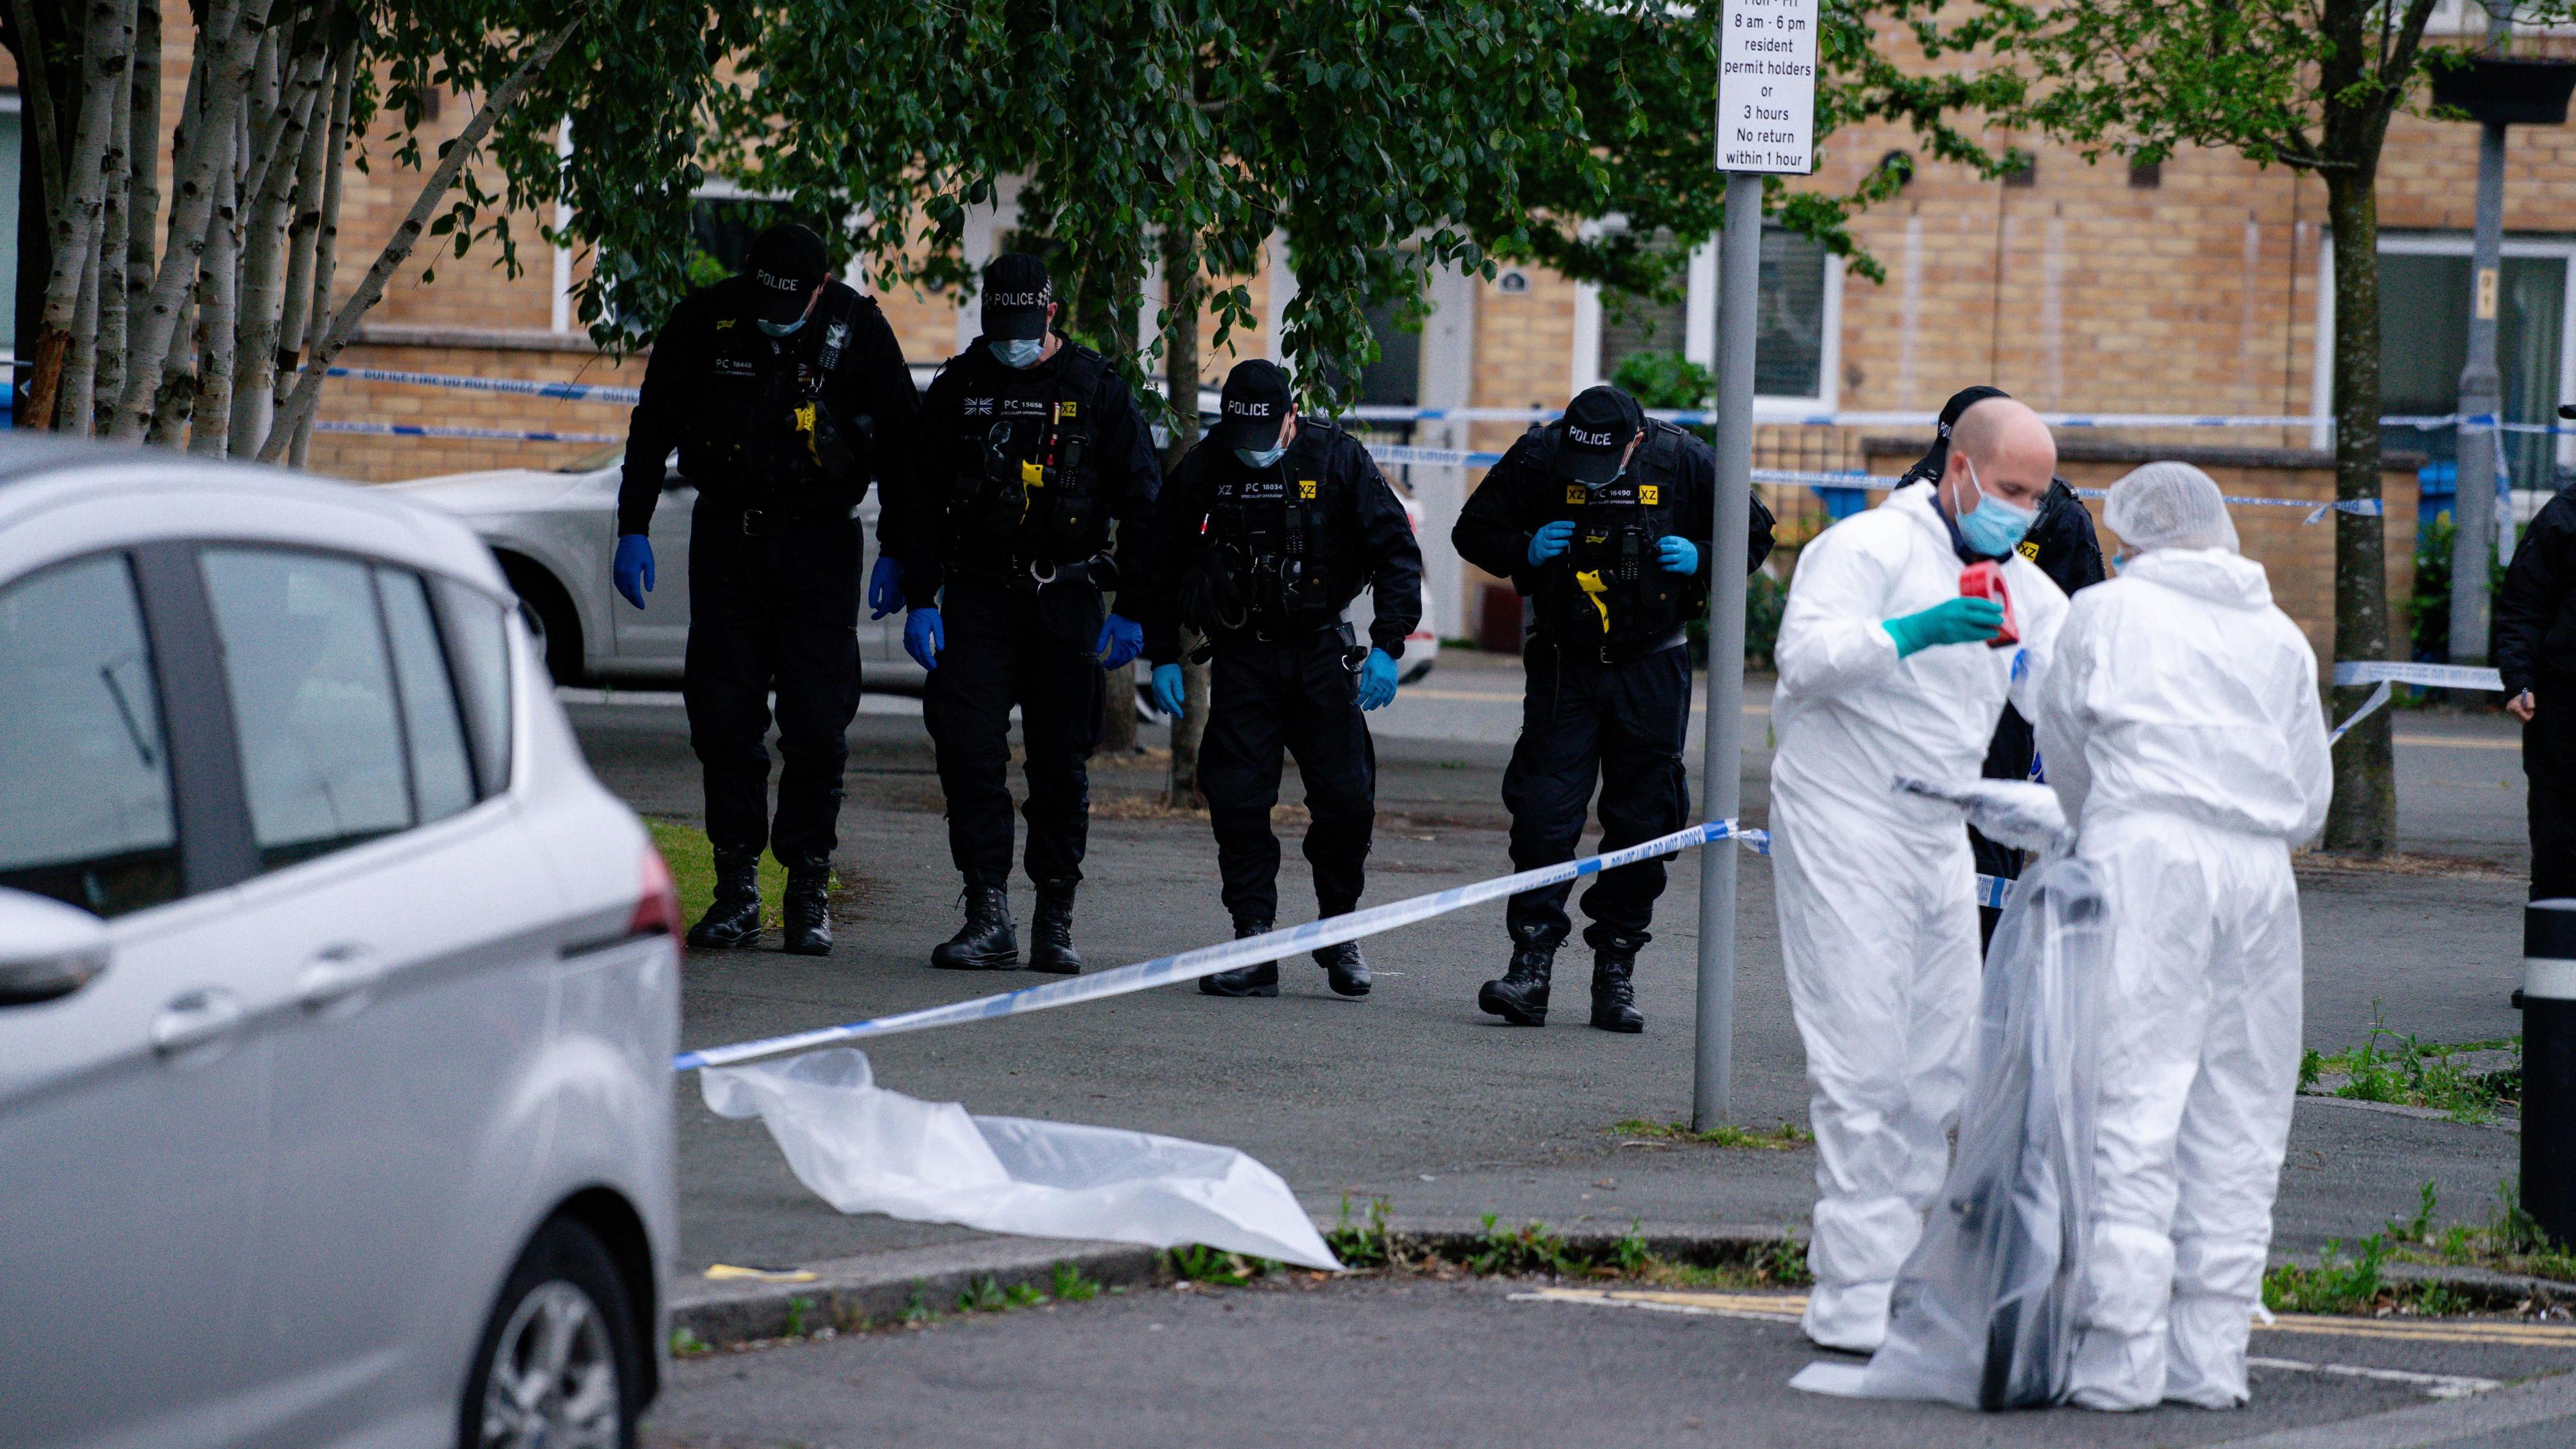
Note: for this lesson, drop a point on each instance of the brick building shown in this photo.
(2198, 287)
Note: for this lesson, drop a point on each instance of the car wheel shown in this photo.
(558, 1366)
(550, 618)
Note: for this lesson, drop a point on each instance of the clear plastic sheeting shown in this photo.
(864, 1149)
(1983, 1314)
(2019, 813)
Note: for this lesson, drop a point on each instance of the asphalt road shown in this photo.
(1420, 1363)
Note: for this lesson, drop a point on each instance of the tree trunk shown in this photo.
(219, 80)
(326, 242)
(344, 323)
(264, 261)
(106, 322)
(1182, 292)
(1110, 271)
(36, 95)
(80, 366)
(2363, 818)
(107, 46)
(143, 190)
(295, 315)
(218, 298)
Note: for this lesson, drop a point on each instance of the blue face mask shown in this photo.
(782, 329)
(1260, 460)
(1993, 526)
(1019, 352)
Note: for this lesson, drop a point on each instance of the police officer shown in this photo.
(1031, 450)
(782, 389)
(1596, 518)
(2061, 541)
(1271, 525)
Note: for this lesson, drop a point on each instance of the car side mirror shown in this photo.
(47, 949)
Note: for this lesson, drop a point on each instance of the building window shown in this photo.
(1395, 379)
(2025, 174)
(2424, 299)
(1632, 325)
(1793, 322)
(2146, 175)
(1789, 322)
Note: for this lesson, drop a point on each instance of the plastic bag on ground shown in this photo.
(1984, 1310)
(864, 1149)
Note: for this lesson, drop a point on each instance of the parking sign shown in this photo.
(1766, 87)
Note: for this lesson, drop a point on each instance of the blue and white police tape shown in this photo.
(434, 430)
(2351, 672)
(526, 387)
(1208, 960)
(1251, 950)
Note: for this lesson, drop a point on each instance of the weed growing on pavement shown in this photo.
(1071, 1287)
(1630, 1254)
(2338, 1284)
(1530, 1248)
(1786, 1137)
(2509, 1241)
(685, 1342)
(983, 1295)
(2401, 1069)
(1362, 1245)
(916, 1312)
(797, 1308)
(1217, 1268)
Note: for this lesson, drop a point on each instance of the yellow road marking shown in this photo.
(1792, 1305)
(2456, 742)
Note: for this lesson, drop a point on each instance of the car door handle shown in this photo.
(196, 1019)
(338, 974)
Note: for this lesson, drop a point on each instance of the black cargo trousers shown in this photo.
(999, 654)
(1296, 693)
(1586, 723)
(773, 608)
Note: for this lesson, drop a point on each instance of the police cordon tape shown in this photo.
(1373, 413)
(1461, 458)
(2351, 672)
(1250, 951)
(436, 430)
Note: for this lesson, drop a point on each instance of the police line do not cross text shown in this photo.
(1766, 87)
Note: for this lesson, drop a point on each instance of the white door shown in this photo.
(416, 927)
(133, 1113)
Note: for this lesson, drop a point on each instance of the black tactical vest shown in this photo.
(759, 424)
(1024, 476)
(1262, 564)
(1608, 591)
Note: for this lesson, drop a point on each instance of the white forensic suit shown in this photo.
(2181, 729)
(1876, 890)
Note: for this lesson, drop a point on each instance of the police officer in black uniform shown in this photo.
(1271, 525)
(1597, 518)
(2061, 541)
(1031, 450)
(782, 389)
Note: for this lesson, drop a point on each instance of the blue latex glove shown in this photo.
(1677, 554)
(1169, 689)
(1377, 680)
(1952, 621)
(924, 636)
(633, 569)
(885, 587)
(1550, 540)
(1121, 639)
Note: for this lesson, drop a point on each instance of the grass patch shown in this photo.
(2406, 1071)
(2509, 1241)
(1217, 1268)
(1369, 1243)
(693, 872)
(685, 1343)
(2356, 1281)
(1786, 1137)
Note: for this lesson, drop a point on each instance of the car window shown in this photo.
(86, 816)
(478, 650)
(442, 777)
(313, 700)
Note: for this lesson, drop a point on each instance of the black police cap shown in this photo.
(787, 263)
(1255, 401)
(1017, 293)
(1599, 424)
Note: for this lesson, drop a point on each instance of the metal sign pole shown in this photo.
(1765, 125)
(1722, 773)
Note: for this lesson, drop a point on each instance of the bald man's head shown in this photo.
(2006, 451)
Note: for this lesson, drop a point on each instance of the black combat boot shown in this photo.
(1345, 969)
(1614, 999)
(1051, 930)
(985, 942)
(808, 907)
(734, 918)
(1259, 979)
(1519, 995)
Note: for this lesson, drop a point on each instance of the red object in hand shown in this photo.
(1985, 580)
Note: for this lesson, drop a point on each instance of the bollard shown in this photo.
(2548, 1002)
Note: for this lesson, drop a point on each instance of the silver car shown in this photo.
(337, 999)
(555, 533)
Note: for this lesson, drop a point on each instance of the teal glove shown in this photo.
(1169, 690)
(1952, 621)
(1550, 540)
(1377, 680)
